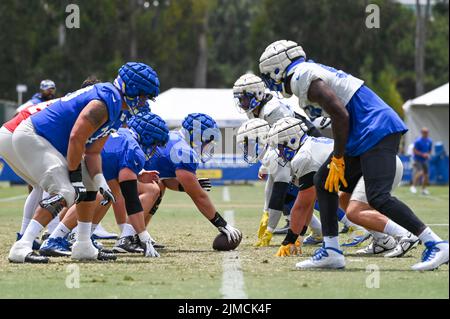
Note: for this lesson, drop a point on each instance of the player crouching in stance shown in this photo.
(306, 155)
(177, 163)
(68, 137)
(123, 158)
(252, 98)
(367, 134)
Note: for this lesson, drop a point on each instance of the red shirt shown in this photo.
(12, 124)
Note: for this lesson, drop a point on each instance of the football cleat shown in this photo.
(378, 246)
(404, 244)
(282, 230)
(101, 233)
(106, 256)
(357, 236)
(344, 230)
(324, 257)
(434, 255)
(128, 244)
(84, 250)
(313, 240)
(21, 252)
(36, 244)
(55, 247)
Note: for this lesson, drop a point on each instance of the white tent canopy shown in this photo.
(429, 110)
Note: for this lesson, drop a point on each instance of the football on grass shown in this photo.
(221, 243)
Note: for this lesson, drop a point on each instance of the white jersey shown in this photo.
(274, 110)
(343, 84)
(311, 156)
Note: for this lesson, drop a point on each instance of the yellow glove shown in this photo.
(287, 250)
(263, 224)
(264, 241)
(335, 175)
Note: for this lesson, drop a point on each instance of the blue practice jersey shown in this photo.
(177, 154)
(121, 151)
(56, 121)
(36, 99)
(423, 145)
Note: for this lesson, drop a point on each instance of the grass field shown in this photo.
(189, 268)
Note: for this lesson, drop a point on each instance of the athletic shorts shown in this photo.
(421, 166)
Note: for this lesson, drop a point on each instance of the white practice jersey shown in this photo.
(310, 157)
(343, 84)
(274, 110)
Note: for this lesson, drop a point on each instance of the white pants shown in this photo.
(45, 165)
(359, 193)
(10, 156)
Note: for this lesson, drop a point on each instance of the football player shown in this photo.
(47, 93)
(306, 155)
(123, 158)
(366, 133)
(177, 163)
(252, 98)
(68, 136)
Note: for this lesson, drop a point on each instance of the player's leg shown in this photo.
(418, 174)
(425, 181)
(265, 216)
(378, 166)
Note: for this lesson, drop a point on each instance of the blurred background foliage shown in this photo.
(209, 43)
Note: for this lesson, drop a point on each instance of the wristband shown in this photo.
(218, 221)
(290, 238)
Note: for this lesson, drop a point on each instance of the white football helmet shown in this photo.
(275, 60)
(248, 92)
(252, 139)
(287, 135)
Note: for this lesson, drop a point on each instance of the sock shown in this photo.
(427, 235)
(394, 229)
(84, 231)
(53, 224)
(29, 208)
(121, 226)
(128, 230)
(60, 231)
(274, 218)
(332, 242)
(315, 225)
(33, 230)
(344, 220)
(377, 235)
(93, 227)
(144, 236)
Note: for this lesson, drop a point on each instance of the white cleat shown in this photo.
(425, 192)
(434, 255)
(404, 244)
(19, 251)
(329, 258)
(84, 250)
(413, 189)
(378, 246)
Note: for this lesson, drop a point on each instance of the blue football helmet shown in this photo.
(138, 83)
(202, 134)
(150, 131)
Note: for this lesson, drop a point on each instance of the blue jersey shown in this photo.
(177, 154)
(370, 120)
(36, 99)
(423, 145)
(56, 121)
(121, 151)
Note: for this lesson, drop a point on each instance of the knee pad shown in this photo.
(278, 196)
(90, 196)
(54, 204)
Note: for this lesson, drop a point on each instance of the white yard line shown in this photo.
(232, 278)
(226, 194)
(11, 199)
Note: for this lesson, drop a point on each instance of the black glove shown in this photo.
(77, 182)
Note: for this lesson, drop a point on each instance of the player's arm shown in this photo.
(319, 92)
(191, 186)
(302, 210)
(91, 118)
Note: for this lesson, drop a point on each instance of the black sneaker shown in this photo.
(103, 256)
(282, 230)
(128, 244)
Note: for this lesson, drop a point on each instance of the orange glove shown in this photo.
(335, 175)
